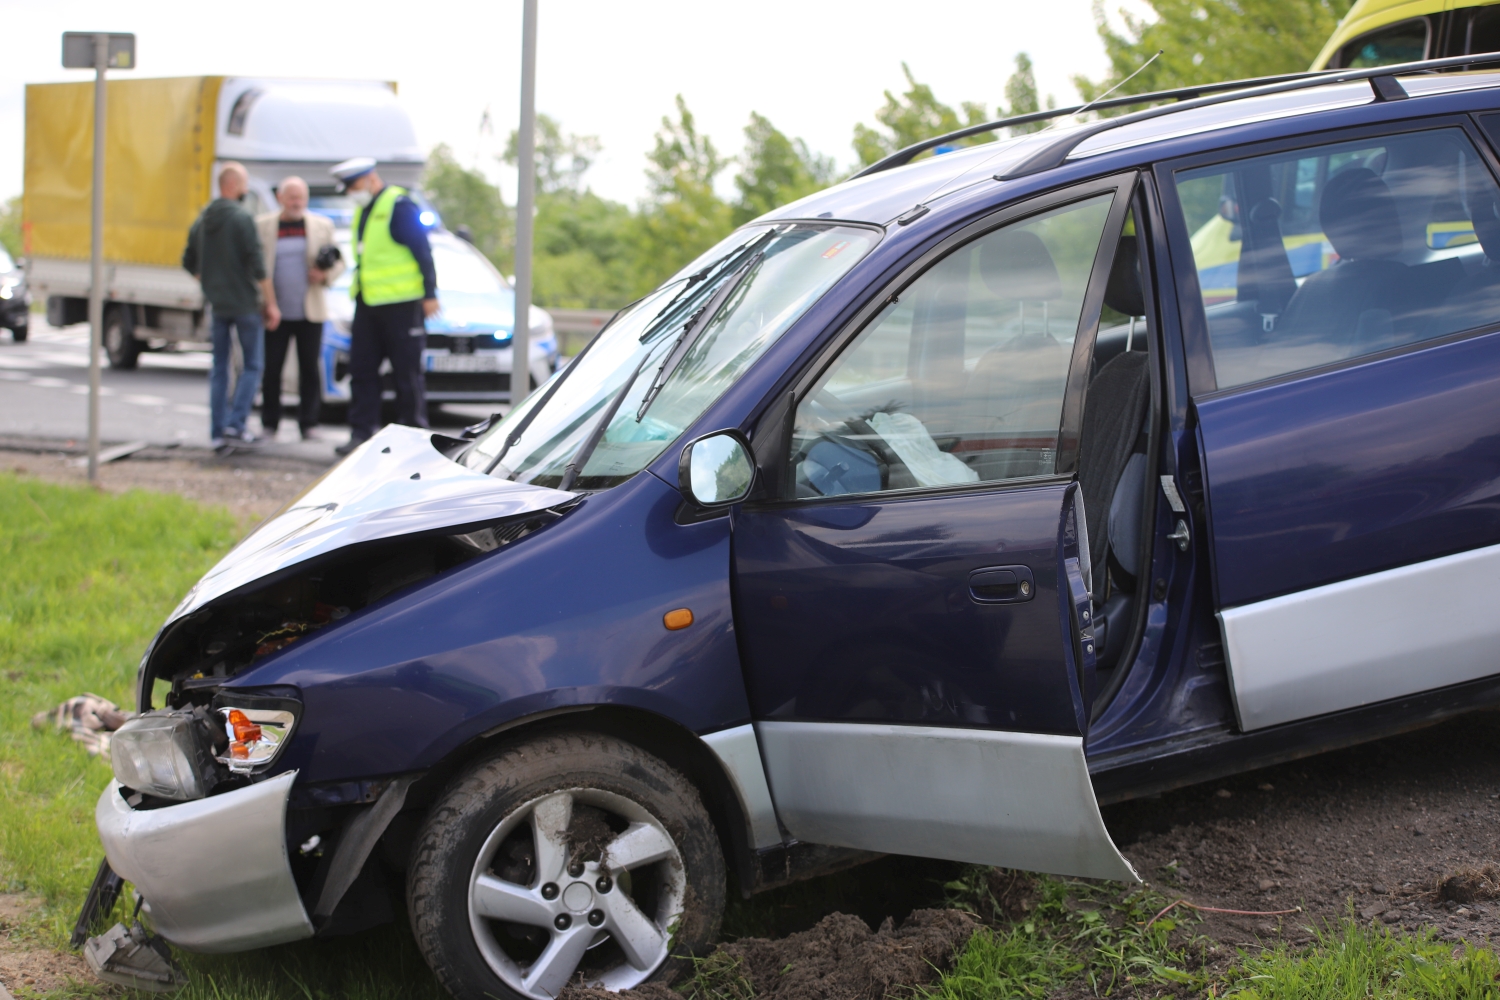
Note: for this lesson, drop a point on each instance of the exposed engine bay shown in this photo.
(199, 652)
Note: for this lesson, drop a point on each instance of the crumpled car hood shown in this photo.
(394, 484)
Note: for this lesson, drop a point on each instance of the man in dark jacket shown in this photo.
(224, 254)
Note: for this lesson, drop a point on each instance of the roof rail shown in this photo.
(1382, 81)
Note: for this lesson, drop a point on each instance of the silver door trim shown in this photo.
(1365, 640)
(1021, 800)
(739, 754)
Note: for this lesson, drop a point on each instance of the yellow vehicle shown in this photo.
(1382, 32)
(1373, 33)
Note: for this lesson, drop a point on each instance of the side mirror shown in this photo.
(716, 470)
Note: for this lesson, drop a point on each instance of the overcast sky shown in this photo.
(609, 69)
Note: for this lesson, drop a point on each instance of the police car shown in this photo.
(922, 515)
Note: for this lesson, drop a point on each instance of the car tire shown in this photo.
(120, 344)
(596, 860)
(20, 333)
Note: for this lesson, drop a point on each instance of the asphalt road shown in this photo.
(44, 394)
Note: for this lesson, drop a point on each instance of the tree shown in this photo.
(775, 170)
(561, 160)
(1021, 95)
(466, 197)
(914, 116)
(586, 252)
(683, 216)
(1206, 41)
(586, 247)
(10, 226)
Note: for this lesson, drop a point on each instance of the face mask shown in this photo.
(361, 197)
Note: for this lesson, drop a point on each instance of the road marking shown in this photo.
(48, 382)
(143, 400)
(15, 362)
(195, 409)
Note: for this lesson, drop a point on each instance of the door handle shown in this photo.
(1002, 585)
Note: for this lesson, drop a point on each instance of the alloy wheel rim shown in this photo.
(540, 915)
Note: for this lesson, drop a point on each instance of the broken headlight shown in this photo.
(163, 754)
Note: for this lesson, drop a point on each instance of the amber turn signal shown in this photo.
(245, 731)
(674, 620)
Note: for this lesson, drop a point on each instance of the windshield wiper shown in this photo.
(694, 329)
(515, 435)
(596, 433)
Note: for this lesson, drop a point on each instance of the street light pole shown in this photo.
(97, 50)
(520, 343)
(96, 262)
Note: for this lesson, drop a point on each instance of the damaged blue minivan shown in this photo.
(921, 516)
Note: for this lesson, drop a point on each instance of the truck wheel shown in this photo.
(120, 344)
(570, 858)
(19, 333)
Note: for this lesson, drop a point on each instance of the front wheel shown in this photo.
(19, 333)
(570, 858)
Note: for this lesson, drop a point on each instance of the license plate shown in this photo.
(463, 363)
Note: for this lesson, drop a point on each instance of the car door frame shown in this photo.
(942, 791)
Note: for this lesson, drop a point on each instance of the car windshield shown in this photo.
(789, 268)
(473, 295)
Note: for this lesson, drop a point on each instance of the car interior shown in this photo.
(1342, 251)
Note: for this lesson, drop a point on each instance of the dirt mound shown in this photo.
(1469, 885)
(839, 959)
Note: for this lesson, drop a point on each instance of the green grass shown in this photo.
(86, 578)
(1082, 938)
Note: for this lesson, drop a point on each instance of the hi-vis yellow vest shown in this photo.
(385, 271)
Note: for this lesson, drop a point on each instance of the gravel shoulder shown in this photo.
(253, 486)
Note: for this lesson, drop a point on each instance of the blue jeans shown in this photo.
(253, 347)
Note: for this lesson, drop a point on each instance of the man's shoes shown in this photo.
(242, 438)
(311, 434)
(349, 446)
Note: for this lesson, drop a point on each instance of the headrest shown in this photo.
(1123, 291)
(1359, 217)
(1487, 223)
(1015, 264)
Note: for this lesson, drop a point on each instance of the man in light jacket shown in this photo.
(291, 240)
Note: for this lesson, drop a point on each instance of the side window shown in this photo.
(1482, 33)
(1339, 251)
(961, 380)
(1404, 41)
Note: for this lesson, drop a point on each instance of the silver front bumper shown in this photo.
(214, 872)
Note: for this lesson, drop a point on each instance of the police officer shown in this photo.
(395, 290)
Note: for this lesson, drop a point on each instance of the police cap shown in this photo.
(351, 170)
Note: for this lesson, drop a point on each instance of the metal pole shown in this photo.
(96, 266)
(520, 344)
